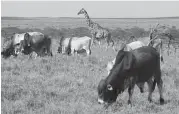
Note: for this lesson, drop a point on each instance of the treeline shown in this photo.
(117, 34)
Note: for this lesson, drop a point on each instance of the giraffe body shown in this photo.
(98, 33)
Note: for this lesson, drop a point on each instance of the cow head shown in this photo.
(24, 48)
(106, 93)
(26, 43)
(27, 39)
(17, 49)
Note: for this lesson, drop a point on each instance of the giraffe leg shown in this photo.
(93, 38)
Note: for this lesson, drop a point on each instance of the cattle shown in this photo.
(41, 44)
(154, 42)
(128, 47)
(63, 44)
(75, 44)
(12, 46)
(135, 66)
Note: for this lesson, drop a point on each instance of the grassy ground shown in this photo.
(68, 84)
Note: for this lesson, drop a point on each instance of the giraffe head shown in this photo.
(82, 11)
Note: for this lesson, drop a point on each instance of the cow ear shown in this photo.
(109, 87)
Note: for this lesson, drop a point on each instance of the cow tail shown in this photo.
(89, 45)
(161, 52)
(68, 50)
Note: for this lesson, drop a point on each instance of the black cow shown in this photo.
(137, 66)
(41, 44)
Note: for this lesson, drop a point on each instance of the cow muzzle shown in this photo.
(100, 101)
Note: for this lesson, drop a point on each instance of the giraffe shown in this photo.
(98, 33)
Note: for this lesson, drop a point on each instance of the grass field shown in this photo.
(68, 84)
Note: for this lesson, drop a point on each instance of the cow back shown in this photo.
(147, 62)
(122, 69)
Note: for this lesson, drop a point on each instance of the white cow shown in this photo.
(17, 38)
(75, 44)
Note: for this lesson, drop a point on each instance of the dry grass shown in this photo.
(59, 23)
(68, 84)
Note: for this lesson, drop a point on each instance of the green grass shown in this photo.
(68, 84)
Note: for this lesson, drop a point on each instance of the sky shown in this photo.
(95, 9)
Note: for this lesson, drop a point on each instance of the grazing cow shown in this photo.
(128, 47)
(75, 44)
(41, 44)
(135, 66)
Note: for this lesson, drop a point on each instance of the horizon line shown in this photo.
(94, 17)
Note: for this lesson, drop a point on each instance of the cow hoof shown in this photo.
(141, 90)
(129, 102)
(161, 101)
(150, 100)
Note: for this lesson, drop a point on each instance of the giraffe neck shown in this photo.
(88, 20)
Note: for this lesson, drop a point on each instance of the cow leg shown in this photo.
(141, 87)
(161, 53)
(130, 91)
(72, 51)
(150, 85)
(63, 49)
(159, 85)
(30, 56)
(49, 51)
(88, 52)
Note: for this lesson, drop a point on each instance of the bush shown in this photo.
(117, 34)
(174, 32)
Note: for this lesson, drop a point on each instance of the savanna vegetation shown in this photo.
(68, 84)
